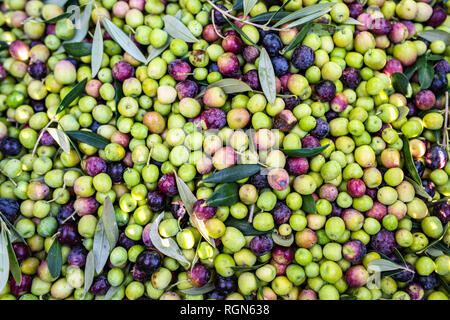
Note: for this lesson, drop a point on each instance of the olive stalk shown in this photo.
(225, 13)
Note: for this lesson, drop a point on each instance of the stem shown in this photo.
(41, 134)
(252, 211)
(445, 135)
(214, 26)
(225, 13)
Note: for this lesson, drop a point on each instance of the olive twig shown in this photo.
(215, 27)
(225, 13)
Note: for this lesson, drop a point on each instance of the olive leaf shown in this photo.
(306, 11)
(110, 223)
(425, 76)
(409, 162)
(322, 29)
(260, 290)
(284, 241)
(90, 138)
(299, 37)
(402, 112)
(241, 33)
(226, 195)
(435, 242)
(419, 189)
(304, 152)
(12, 228)
(155, 52)
(308, 204)
(60, 138)
(270, 16)
(189, 199)
(229, 86)
(248, 6)
(4, 258)
(266, 76)
(233, 174)
(200, 290)
(401, 83)
(177, 30)
(97, 50)
(238, 5)
(353, 21)
(248, 268)
(73, 94)
(123, 40)
(101, 247)
(381, 265)
(13, 263)
(59, 17)
(245, 227)
(308, 18)
(80, 34)
(432, 35)
(78, 49)
(89, 272)
(54, 259)
(167, 246)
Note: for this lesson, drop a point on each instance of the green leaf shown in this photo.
(299, 37)
(100, 247)
(432, 35)
(97, 50)
(226, 195)
(248, 268)
(409, 162)
(419, 189)
(167, 246)
(238, 5)
(322, 29)
(60, 138)
(306, 11)
(78, 49)
(402, 112)
(308, 18)
(400, 83)
(269, 16)
(119, 91)
(54, 259)
(248, 6)
(434, 57)
(304, 152)
(435, 242)
(57, 18)
(229, 86)
(284, 241)
(245, 227)
(308, 204)
(425, 76)
(177, 30)
(89, 272)
(200, 290)
(266, 76)
(444, 283)
(241, 33)
(4, 258)
(12, 228)
(110, 223)
(189, 199)
(71, 95)
(90, 138)
(353, 21)
(155, 52)
(234, 173)
(381, 265)
(123, 40)
(260, 290)
(80, 34)
(13, 263)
